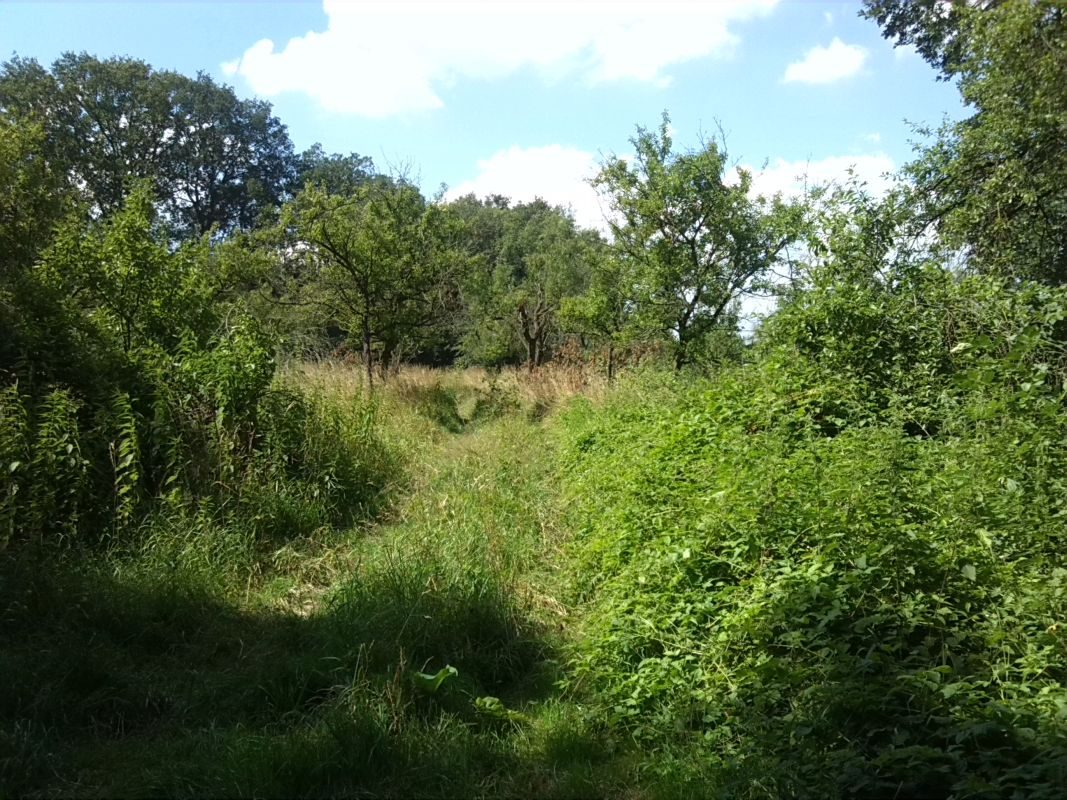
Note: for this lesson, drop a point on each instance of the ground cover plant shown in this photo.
(320, 487)
(413, 653)
(837, 570)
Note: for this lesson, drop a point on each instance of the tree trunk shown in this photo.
(679, 359)
(680, 351)
(611, 362)
(368, 353)
(385, 361)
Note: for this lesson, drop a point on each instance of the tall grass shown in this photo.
(264, 639)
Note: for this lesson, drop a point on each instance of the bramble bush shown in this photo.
(173, 405)
(839, 571)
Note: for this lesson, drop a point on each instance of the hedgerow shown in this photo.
(802, 592)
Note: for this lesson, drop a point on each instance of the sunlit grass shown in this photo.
(208, 660)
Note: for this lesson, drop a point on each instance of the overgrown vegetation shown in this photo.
(815, 579)
(255, 542)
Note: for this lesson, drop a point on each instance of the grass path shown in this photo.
(300, 682)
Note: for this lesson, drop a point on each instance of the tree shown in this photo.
(336, 173)
(374, 260)
(33, 202)
(481, 332)
(32, 197)
(604, 311)
(215, 161)
(543, 259)
(697, 241)
(932, 27)
(124, 275)
(523, 260)
(228, 162)
(995, 184)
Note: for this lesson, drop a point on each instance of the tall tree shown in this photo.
(543, 259)
(698, 241)
(336, 173)
(374, 260)
(995, 184)
(481, 331)
(214, 160)
(523, 260)
(228, 160)
(932, 27)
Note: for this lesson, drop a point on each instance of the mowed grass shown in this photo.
(201, 664)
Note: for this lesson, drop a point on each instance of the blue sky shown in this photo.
(524, 98)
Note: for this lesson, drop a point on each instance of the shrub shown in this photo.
(789, 582)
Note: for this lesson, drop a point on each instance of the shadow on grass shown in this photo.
(154, 685)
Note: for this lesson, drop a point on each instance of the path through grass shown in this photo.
(134, 675)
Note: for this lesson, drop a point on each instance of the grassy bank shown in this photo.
(779, 610)
(204, 659)
(669, 588)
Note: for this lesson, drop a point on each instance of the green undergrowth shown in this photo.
(771, 583)
(777, 607)
(212, 655)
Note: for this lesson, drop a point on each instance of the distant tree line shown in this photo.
(327, 254)
(330, 254)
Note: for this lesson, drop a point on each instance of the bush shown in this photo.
(205, 430)
(789, 582)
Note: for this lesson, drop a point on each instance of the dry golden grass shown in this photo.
(535, 392)
(547, 386)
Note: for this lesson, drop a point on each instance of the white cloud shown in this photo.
(560, 176)
(382, 57)
(829, 17)
(557, 174)
(827, 64)
(791, 177)
(873, 138)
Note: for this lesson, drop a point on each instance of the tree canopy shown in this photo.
(994, 183)
(377, 258)
(698, 240)
(215, 161)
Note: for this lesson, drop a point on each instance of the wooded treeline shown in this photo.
(328, 253)
(824, 560)
(159, 233)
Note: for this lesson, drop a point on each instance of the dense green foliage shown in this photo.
(214, 161)
(838, 570)
(374, 261)
(823, 562)
(528, 260)
(822, 579)
(992, 183)
(695, 240)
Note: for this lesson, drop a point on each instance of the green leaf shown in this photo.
(969, 572)
(494, 707)
(950, 689)
(429, 684)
